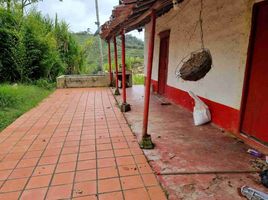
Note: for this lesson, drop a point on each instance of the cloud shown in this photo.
(80, 14)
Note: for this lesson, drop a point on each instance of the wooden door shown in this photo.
(255, 117)
(163, 62)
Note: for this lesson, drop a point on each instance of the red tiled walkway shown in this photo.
(75, 144)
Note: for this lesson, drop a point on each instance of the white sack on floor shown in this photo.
(201, 111)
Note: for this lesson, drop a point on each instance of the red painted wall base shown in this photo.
(222, 115)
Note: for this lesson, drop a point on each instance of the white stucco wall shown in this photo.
(226, 25)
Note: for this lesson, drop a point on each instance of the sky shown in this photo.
(80, 14)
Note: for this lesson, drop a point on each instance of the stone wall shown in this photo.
(83, 81)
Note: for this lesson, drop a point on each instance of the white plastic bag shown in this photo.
(201, 111)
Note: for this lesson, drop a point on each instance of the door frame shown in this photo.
(162, 35)
(248, 69)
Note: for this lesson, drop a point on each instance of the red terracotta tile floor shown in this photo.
(75, 145)
(192, 163)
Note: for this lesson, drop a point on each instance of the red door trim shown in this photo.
(163, 35)
(248, 69)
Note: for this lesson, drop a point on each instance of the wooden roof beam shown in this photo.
(156, 6)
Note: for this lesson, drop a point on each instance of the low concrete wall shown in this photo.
(128, 79)
(83, 81)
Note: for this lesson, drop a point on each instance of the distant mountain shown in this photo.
(134, 48)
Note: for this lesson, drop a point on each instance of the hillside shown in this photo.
(90, 44)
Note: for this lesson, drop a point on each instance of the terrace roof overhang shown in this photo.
(133, 14)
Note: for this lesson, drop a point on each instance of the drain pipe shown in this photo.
(110, 63)
(116, 92)
(146, 141)
(125, 107)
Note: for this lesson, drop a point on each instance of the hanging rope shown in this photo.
(201, 24)
(198, 63)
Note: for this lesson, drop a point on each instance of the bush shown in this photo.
(32, 47)
(11, 51)
(43, 83)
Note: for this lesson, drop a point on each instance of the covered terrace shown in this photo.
(127, 16)
(190, 162)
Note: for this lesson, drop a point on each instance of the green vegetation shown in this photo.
(90, 45)
(34, 47)
(18, 99)
(138, 79)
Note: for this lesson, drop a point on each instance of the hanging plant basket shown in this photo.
(195, 66)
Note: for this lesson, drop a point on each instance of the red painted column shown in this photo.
(123, 67)
(116, 68)
(149, 76)
(110, 62)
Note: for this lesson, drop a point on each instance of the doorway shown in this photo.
(255, 105)
(163, 62)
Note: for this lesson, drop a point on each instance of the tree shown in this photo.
(7, 4)
(21, 3)
(25, 3)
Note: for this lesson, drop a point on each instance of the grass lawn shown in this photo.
(18, 99)
(138, 79)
